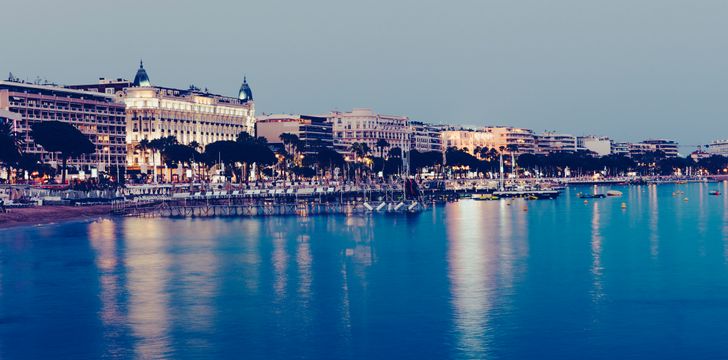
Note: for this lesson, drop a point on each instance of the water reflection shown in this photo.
(654, 216)
(148, 262)
(103, 239)
(596, 250)
(480, 261)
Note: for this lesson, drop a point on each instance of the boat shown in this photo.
(714, 192)
(614, 193)
(484, 197)
(590, 196)
(537, 194)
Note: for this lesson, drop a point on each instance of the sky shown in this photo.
(621, 68)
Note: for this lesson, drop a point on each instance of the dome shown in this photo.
(141, 78)
(245, 94)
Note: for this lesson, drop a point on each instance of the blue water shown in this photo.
(474, 279)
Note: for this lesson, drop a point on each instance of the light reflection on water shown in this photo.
(472, 279)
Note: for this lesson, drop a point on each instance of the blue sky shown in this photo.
(626, 69)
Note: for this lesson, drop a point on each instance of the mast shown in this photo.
(501, 171)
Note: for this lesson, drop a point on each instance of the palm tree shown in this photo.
(381, 145)
(9, 145)
(63, 138)
(159, 146)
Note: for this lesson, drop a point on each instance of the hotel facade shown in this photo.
(101, 117)
(367, 127)
(190, 115)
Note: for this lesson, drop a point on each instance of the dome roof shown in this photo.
(245, 94)
(141, 78)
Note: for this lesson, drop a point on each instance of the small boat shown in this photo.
(714, 192)
(484, 197)
(614, 193)
(591, 196)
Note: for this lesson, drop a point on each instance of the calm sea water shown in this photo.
(562, 280)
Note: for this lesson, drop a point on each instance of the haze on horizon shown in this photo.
(625, 69)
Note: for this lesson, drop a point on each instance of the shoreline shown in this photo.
(43, 215)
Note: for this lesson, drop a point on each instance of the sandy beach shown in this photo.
(50, 214)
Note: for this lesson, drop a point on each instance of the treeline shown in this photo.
(582, 163)
(294, 160)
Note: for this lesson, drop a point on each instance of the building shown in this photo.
(700, 154)
(100, 116)
(599, 145)
(367, 127)
(521, 140)
(190, 115)
(639, 149)
(620, 148)
(551, 142)
(468, 139)
(717, 147)
(106, 86)
(11, 117)
(425, 137)
(314, 132)
(669, 147)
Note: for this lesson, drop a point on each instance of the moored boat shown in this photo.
(590, 196)
(614, 193)
(484, 197)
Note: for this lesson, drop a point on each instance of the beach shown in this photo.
(50, 214)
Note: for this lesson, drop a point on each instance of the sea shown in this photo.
(641, 276)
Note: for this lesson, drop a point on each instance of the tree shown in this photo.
(33, 164)
(177, 154)
(381, 145)
(327, 158)
(62, 138)
(714, 164)
(361, 150)
(224, 151)
(9, 145)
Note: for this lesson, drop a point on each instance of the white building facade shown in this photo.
(600, 145)
(551, 142)
(717, 147)
(364, 126)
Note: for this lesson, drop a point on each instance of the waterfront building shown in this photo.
(425, 137)
(669, 147)
(367, 127)
(620, 148)
(100, 116)
(552, 142)
(599, 145)
(106, 86)
(468, 139)
(700, 154)
(190, 115)
(314, 132)
(521, 140)
(639, 149)
(11, 117)
(717, 147)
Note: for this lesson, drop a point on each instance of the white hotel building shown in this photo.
(366, 126)
(153, 112)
